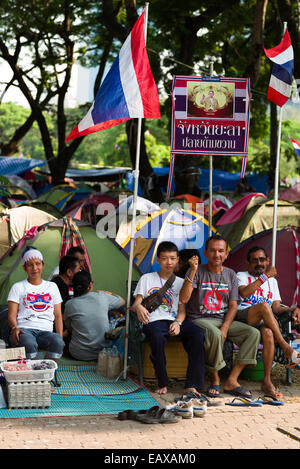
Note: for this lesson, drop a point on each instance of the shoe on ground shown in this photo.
(183, 409)
(199, 407)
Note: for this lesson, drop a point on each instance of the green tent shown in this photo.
(109, 263)
(258, 217)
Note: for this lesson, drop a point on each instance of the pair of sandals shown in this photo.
(155, 414)
(239, 391)
(244, 402)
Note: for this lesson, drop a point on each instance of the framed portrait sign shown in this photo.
(210, 115)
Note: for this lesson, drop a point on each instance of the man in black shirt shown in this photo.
(68, 267)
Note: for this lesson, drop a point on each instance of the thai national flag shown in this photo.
(128, 90)
(282, 72)
(296, 146)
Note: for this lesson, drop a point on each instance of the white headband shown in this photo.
(32, 254)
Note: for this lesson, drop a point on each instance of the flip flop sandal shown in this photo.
(271, 400)
(214, 387)
(295, 360)
(167, 416)
(239, 391)
(243, 402)
(127, 415)
(149, 415)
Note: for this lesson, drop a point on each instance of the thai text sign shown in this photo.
(210, 115)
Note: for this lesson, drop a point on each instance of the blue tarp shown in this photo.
(222, 180)
(100, 174)
(225, 181)
(10, 166)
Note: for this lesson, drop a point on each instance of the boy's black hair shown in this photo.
(67, 262)
(215, 237)
(81, 282)
(254, 249)
(166, 246)
(75, 249)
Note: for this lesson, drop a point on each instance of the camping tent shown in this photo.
(292, 194)
(185, 228)
(236, 211)
(259, 217)
(120, 219)
(86, 208)
(16, 221)
(109, 264)
(59, 196)
(286, 263)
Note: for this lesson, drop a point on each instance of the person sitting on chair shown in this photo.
(211, 294)
(260, 298)
(34, 307)
(169, 319)
(86, 317)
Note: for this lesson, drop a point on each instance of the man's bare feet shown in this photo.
(232, 385)
(269, 388)
(194, 390)
(163, 390)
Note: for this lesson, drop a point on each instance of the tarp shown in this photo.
(285, 258)
(20, 182)
(237, 210)
(109, 263)
(223, 181)
(185, 228)
(100, 174)
(10, 166)
(259, 217)
(16, 221)
(292, 194)
(226, 181)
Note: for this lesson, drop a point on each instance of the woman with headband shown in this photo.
(34, 309)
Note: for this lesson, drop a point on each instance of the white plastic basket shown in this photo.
(29, 375)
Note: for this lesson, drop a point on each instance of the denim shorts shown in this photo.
(34, 340)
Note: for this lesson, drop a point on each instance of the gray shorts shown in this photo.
(242, 314)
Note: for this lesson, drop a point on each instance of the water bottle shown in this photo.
(102, 363)
(114, 363)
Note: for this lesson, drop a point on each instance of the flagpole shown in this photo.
(135, 193)
(276, 182)
(211, 71)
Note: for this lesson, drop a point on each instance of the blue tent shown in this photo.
(10, 166)
(185, 228)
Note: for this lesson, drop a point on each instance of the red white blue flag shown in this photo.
(128, 90)
(282, 72)
(296, 146)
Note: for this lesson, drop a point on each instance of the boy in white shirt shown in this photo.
(260, 298)
(34, 307)
(169, 319)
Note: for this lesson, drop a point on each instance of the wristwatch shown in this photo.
(178, 322)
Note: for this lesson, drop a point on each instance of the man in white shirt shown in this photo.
(260, 298)
(34, 307)
(169, 319)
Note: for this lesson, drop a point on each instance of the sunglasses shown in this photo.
(258, 259)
